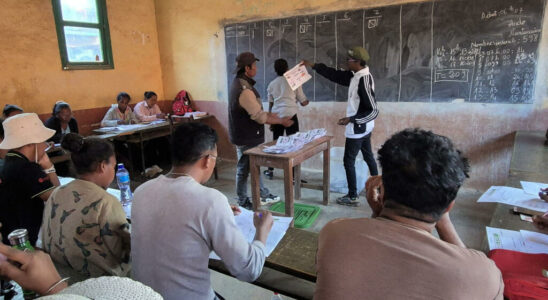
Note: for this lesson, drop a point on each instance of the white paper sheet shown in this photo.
(535, 242)
(515, 197)
(245, 223)
(505, 239)
(297, 76)
(533, 188)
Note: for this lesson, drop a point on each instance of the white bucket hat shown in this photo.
(24, 129)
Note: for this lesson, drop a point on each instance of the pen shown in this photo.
(260, 215)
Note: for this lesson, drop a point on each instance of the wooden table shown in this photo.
(529, 163)
(146, 133)
(291, 267)
(286, 161)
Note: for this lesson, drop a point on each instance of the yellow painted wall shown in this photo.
(192, 50)
(31, 74)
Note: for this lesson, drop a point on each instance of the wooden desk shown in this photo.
(286, 162)
(529, 163)
(64, 156)
(291, 267)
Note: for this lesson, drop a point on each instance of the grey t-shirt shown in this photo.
(176, 223)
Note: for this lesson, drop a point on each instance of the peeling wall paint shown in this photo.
(31, 65)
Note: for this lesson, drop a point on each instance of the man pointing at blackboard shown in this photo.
(361, 112)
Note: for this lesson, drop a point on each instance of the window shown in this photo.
(83, 34)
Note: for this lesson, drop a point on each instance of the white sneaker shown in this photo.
(270, 199)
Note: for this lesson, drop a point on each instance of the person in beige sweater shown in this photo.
(84, 228)
(394, 255)
(120, 113)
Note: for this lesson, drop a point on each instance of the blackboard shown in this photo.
(482, 51)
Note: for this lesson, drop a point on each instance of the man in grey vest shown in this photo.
(246, 119)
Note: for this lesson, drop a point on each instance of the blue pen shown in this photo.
(260, 215)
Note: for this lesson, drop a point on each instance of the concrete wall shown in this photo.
(192, 53)
(31, 65)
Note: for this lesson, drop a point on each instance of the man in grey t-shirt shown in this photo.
(177, 222)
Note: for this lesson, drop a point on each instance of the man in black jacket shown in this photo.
(246, 119)
(361, 112)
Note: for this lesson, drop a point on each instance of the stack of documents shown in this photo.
(527, 197)
(522, 241)
(295, 142)
(245, 222)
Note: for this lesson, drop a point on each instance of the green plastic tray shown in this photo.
(304, 215)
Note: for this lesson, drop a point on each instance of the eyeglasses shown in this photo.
(212, 156)
(351, 60)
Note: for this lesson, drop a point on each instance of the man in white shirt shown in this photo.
(177, 222)
(282, 100)
(361, 112)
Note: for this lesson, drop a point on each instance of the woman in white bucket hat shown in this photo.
(28, 176)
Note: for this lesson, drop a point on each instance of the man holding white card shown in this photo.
(361, 112)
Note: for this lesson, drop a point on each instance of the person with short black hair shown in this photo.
(148, 109)
(28, 176)
(246, 120)
(11, 110)
(177, 222)
(282, 100)
(394, 255)
(120, 113)
(61, 121)
(361, 112)
(84, 228)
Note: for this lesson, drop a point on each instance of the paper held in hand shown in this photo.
(297, 76)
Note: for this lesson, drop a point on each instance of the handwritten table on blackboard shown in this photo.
(442, 51)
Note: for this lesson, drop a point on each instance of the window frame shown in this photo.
(102, 25)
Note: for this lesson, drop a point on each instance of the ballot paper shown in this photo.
(505, 239)
(514, 197)
(533, 188)
(523, 241)
(294, 142)
(297, 76)
(535, 242)
(245, 223)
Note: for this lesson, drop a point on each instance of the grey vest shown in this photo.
(243, 131)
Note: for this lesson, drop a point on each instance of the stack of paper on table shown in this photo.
(515, 197)
(194, 114)
(245, 222)
(522, 241)
(295, 142)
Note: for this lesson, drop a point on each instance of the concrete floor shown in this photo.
(469, 218)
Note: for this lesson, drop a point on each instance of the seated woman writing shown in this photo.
(84, 228)
(148, 109)
(120, 113)
(61, 121)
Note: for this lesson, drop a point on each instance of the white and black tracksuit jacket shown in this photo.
(362, 106)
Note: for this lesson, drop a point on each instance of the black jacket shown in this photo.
(55, 124)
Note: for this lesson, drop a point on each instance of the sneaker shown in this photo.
(245, 203)
(348, 201)
(270, 199)
(269, 174)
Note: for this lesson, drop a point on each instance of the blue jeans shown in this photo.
(351, 149)
(242, 172)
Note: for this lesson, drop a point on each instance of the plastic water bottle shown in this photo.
(276, 296)
(122, 177)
